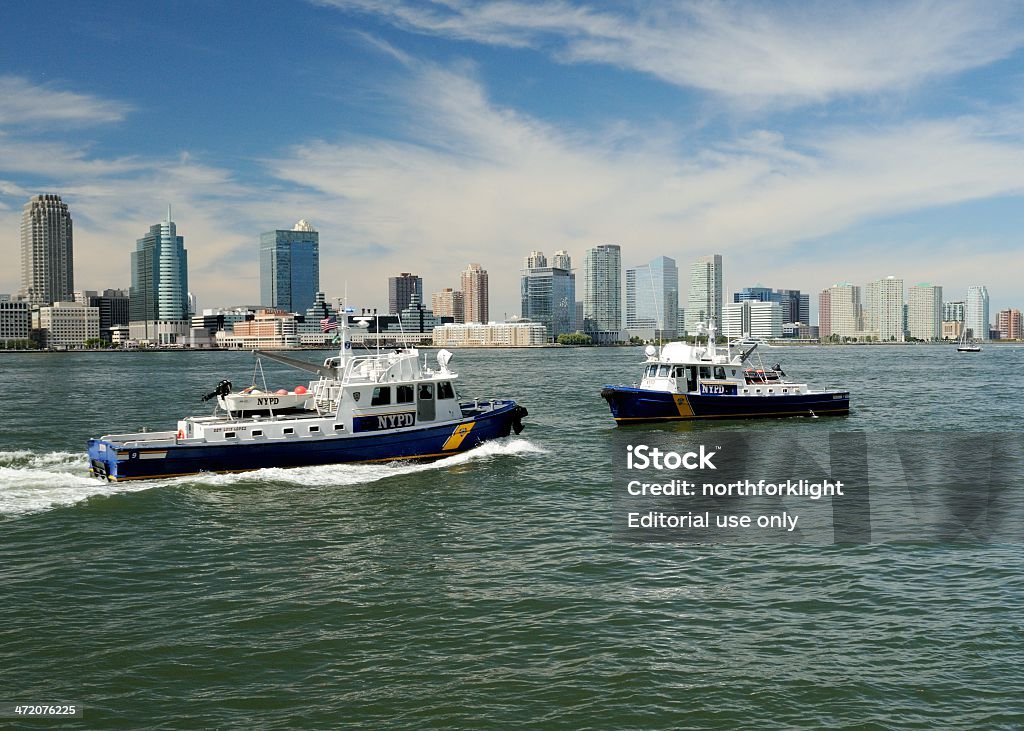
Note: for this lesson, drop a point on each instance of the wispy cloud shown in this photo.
(23, 102)
(751, 52)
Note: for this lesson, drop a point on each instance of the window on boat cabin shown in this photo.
(426, 392)
(705, 372)
(663, 371)
(229, 435)
(288, 430)
(339, 427)
(257, 432)
(403, 394)
(651, 371)
(445, 390)
(677, 372)
(314, 429)
(381, 396)
(719, 372)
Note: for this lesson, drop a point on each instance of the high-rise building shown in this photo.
(759, 294)
(883, 309)
(825, 313)
(159, 288)
(602, 292)
(652, 299)
(704, 300)
(290, 268)
(954, 311)
(924, 312)
(114, 308)
(476, 294)
(976, 316)
(402, 289)
(47, 252)
(562, 260)
(845, 319)
(548, 295)
(536, 260)
(1009, 322)
(796, 306)
(449, 303)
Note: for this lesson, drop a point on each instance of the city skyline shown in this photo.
(804, 144)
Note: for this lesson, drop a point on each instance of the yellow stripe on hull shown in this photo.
(460, 433)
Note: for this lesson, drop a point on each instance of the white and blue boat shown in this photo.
(377, 407)
(683, 381)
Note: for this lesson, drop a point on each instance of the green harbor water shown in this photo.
(491, 590)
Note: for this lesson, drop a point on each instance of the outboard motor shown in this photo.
(778, 369)
(223, 389)
(517, 418)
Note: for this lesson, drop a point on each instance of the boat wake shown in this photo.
(359, 474)
(34, 483)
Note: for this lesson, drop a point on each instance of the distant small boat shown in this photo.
(966, 346)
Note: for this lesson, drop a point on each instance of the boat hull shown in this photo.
(634, 405)
(161, 458)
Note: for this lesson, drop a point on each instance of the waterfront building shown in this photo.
(652, 299)
(924, 312)
(704, 300)
(15, 321)
(416, 318)
(602, 293)
(796, 306)
(954, 311)
(490, 335)
(475, 294)
(825, 313)
(66, 324)
(562, 260)
(214, 320)
(268, 329)
(290, 267)
(1009, 322)
(883, 309)
(449, 303)
(401, 290)
(158, 300)
(681, 322)
(114, 306)
(845, 314)
(47, 251)
(548, 295)
(318, 325)
(754, 318)
(952, 329)
(976, 317)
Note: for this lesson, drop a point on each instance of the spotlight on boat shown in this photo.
(650, 351)
(443, 358)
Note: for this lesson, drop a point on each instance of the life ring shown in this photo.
(181, 434)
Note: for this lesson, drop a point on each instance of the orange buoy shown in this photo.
(280, 392)
(300, 390)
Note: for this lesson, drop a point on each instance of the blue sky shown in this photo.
(807, 143)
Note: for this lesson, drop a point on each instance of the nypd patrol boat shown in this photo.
(711, 381)
(376, 407)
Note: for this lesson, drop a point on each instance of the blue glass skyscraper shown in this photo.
(290, 268)
(160, 275)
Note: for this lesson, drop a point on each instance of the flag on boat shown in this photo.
(328, 324)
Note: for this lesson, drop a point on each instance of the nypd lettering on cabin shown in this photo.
(378, 422)
(718, 389)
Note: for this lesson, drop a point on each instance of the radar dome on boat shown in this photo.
(650, 351)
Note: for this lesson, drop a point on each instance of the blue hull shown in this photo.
(167, 458)
(629, 405)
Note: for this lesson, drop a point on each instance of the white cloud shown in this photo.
(22, 102)
(750, 52)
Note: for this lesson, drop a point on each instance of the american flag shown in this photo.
(328, 324)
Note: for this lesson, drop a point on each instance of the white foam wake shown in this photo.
(33, 483)
(358, 474)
